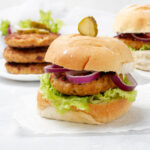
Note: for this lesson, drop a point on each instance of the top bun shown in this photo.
(79, 52)
(133, 19)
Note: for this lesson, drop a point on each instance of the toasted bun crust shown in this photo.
(133, 19)
(98, 113)
(79, 52)
(142, 60)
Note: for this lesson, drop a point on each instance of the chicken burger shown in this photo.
(89, 80)
(132, 25)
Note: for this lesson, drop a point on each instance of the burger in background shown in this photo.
(132, 25)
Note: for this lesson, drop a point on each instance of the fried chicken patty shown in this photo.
(133, 43)
(31, 68)
(30, 40)
(60, 83)
(30, 55)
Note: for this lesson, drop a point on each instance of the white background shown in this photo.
(106, 5)
(13, 138)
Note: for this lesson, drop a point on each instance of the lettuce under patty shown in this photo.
(144, 47)
(64, 103)
(131, 48)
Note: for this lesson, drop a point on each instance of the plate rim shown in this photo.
(17, 77)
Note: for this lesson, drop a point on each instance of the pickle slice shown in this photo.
(88, 26)
(34, 24)
(33, 30)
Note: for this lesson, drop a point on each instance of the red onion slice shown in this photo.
(9, 29)
(140, 38)
(147, 35)
(76, 77)
(117, 81)
(54, 68)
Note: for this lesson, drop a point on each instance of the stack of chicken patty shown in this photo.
(25, 52)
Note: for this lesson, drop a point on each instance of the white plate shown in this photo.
(18, 77)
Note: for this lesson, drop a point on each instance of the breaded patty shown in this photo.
(30, 55)
(31, 68)
(30, 40)
(135, 44)
(60, 83)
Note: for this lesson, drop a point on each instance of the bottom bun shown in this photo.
(142, 59)
(98, 113)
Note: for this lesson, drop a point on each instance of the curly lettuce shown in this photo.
(131, 48)
(64, 103)
(4, 27)
(144, 47)
(54, 25)
(24, 23)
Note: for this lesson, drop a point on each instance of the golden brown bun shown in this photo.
(29, 68)
(30, 40)
(133, 19)
(30, 55)
(79, 52)
(142, 59)
(98, 113)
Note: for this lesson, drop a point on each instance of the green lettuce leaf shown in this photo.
(131, 48)
(53, 25)
(64, 103)
(4, 27)
(24, 23)
(111, 94)
(145, 47)
(45, 18)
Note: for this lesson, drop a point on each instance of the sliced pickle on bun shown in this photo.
(88, 26)
(32, 30)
